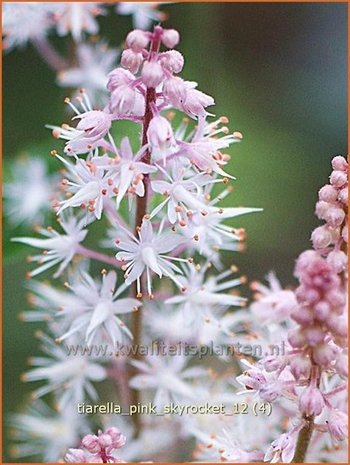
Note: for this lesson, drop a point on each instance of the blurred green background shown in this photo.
(277, 71)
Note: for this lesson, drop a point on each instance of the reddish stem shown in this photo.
(141, 208)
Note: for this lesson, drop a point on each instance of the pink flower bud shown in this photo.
(303, 315)
(92, 443)
(137, 40)
(131, 60)
(338, 178)
(105, 440)
(123, 100)
(119, 77)
(322, 310)
(324, 354)
(311, 295)
(272, 363)
(296, 338)
(321, 208)
(342, 364)
(311, 401)
(334, 217)
(337, 260)
(270, 392)
(338, 425)
(152, 73)
(336, 299)
(300, 366)
(304, 261)
(338, 325)
(328, 193)
(321, 237)
(118, 439)
(170, 38)
(314, 335)
(160, 134)
(339, 163)
(344, 195)
(94, 123)
(172, 60)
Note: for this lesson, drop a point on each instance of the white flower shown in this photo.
(208, 233)
(70, 377)
(224, 438)
(273, 304)
(143, 13)
(166, 322)
(89, 133)
(97, 320)
(95, 61)
(89, 182)
(76, 18)
(183, 191)
(42, 431)
(130, 171)
(203, 146)
(282, 449)
(168, 376)
(147, 253)
(20, 22)
(58, 248)
(28, 194)
(48, 302)
(228, 447)
(204, 297)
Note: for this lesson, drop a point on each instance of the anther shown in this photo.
(238, 135)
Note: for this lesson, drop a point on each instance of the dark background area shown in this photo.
(277, 71)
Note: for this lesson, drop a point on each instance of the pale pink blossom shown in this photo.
(281, 450)
(57, 248)
(149, 253)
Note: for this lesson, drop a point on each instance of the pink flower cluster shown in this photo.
(97, 448)
(313, 371)
(332, 207)
(322, 328)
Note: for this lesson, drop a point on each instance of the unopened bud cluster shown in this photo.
(98, 448)
(331, 238)
(315, 314)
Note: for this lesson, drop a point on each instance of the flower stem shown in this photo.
(49, 54)
(303, 441)
(100, 257)
(141, 210)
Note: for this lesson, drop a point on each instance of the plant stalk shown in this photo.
(141, 210)
(303, 441)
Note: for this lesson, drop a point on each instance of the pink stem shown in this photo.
(49, 54)
(336, 390)
(100, 257)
